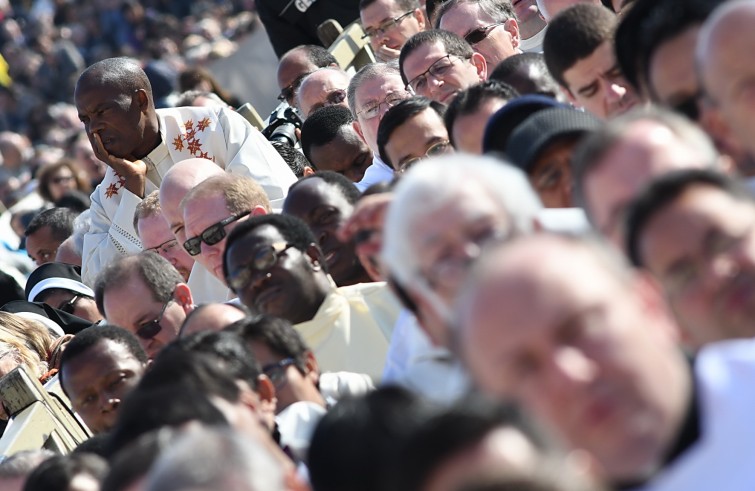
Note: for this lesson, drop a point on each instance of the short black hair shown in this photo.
(470, 99)
(515, 71)
(575, 34)
(56, 473)
(89, 337)
(295, 160)
(453, 44)
(135, 460)
(665, 190)
(398, 114)
(295, 231)
(75, 200)
(647, 26)
(123, 73)
(339, 181)
(149, 409)
(277, 334)
(199, 370)
(453, 430)
(322, 127)
(58, 220)
(229, 348)
(380, 421)
(319, 56)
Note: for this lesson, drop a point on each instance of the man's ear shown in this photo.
(308, 171)
(312, 367)
(143, 100)
(258, 211)
(512, 27)
(420, 19)
(266, 389)
(481, 66)
(572, 100)
(183, 297)
(314, 254)
(358, 128)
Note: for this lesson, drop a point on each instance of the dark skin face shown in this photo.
(346, 154)
(324, 209)
(296, 285)
(120, 124)
(98, 379)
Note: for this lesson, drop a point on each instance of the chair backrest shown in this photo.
(41, 417)
(348, 48)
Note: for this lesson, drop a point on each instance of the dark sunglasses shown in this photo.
(264, 259)
(211, 235)
(70, 305)
(477, 35)
(276, 372)
(287, 93)
(149, 330)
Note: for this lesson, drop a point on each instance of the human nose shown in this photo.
(109, 403)
(722, 266)
(615, 92)
(570, 367)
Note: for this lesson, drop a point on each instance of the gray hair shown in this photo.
(435, 183)
(368, 72)
(499, 10)
(216, 459)
(158, 275)
(591, 151)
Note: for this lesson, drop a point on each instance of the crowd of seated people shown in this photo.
(515, 252)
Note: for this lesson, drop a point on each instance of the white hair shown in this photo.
(437, 182)
(216, 459)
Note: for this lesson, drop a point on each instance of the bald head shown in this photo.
(325, 87)
(553, 322)
(212, 317)
(725, 42)
(178, 181)
(123, 74)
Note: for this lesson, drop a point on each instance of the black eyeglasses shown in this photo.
(61, 179)
(70, 305)
(287, 93)
(211, 235)
(276, 372)
(475, 36)
(386, 26)
(438, 68)
(263, 260)
(149, 330)
(165, 247)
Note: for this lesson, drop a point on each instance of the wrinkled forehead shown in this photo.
(375, 88)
